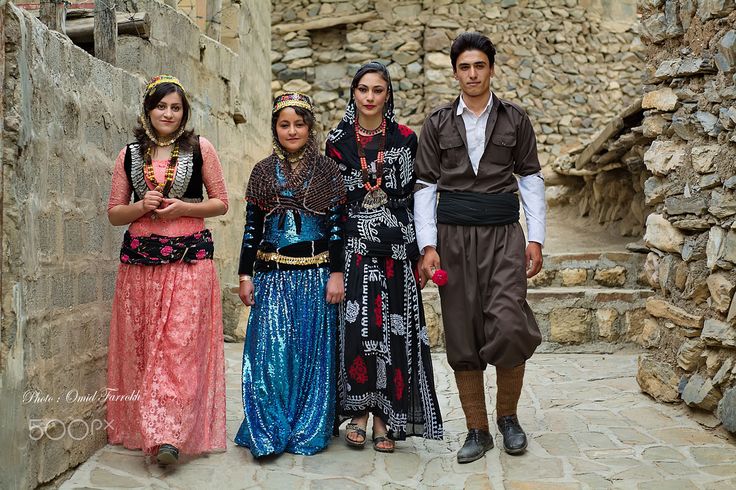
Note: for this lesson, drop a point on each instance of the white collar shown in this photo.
(461, 106)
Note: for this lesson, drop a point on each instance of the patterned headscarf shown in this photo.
(314, 185)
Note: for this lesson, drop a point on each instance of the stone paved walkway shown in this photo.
(589, 426)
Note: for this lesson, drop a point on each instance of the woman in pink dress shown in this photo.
(166, 373)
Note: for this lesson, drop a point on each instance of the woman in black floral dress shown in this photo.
(384, 363)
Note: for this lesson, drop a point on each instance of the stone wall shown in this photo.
(570, 63)
(690, 106)
(65, 117)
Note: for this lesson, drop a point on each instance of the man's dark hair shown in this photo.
(468, 41)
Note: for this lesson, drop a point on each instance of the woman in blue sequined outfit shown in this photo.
(291, 275)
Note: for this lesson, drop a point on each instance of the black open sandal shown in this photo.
(352, 428)
(378, 439)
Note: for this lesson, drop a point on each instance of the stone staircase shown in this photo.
(590, 298)
(583, 302)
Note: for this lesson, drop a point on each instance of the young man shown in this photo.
(469, 153)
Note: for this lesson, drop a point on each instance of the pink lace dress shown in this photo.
(166, 371)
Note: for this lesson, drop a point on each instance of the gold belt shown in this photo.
(286, 260)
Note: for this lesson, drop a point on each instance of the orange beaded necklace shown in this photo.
(162, 187)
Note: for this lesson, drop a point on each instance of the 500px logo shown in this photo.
(55, 429)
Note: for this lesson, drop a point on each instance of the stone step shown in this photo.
(569, 315)
(576, 315)
(601, 269)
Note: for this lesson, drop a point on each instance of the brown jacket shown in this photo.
(511, 148)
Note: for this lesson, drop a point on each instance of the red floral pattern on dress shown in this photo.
(358, 370)
(378, 311)
(405, 130)
(166, 250)
(399, 383)
(389, 267)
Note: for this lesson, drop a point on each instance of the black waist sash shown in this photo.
(476, 209)
(158, 249)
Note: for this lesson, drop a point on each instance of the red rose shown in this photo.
(439, 277)
(135, 243)
(166, 251)
(124, 258)
(201, 254)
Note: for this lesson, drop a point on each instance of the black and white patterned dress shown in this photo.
(384, 363)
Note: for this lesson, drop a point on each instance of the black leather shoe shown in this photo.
(476, 444)
(514, 437)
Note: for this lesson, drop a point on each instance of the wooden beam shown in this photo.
(324, 23)
(53, 14)
(213, 28)
(609, 131)
(81, 30)
(106, 31)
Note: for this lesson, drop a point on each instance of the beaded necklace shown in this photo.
(369, 132)
(170, 170)
(376, 196)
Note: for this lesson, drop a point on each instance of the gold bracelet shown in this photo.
(245, 277)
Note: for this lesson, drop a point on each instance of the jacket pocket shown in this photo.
(501, 148)
(453, 151)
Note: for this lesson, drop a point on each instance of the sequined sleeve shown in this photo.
(120, 190)
(336, 221)
(212, 172)
(252, 234)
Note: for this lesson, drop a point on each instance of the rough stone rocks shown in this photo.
(727, 409)
(700, 392)
(663, 309)
(611, 277)
(721, 290)
(569, 325)
(657, 379)
(704, 158)
(663, 157)
(688, 355)
(662, 100)
(662, 235)
(718, 333)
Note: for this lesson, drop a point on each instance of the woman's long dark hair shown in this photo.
(187, 140)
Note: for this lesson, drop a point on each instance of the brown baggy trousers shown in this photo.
(484, 310)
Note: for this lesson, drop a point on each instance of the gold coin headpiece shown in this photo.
(292, 99)
(159, 79)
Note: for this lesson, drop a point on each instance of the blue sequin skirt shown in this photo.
(288, 364)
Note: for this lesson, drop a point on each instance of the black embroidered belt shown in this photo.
(476, 209)
(158, 249)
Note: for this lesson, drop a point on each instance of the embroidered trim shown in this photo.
(184, 170)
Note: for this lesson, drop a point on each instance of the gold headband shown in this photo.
(292, 99)
(159, 79)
